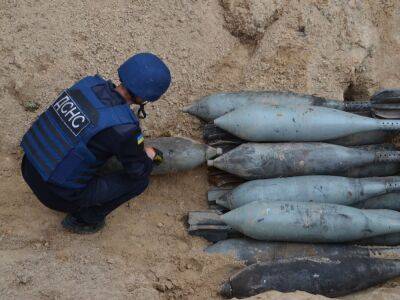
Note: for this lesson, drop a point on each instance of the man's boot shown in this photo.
(76, 225)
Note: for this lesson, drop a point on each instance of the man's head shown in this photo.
(145, 77)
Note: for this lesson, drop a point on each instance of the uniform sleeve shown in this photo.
(126, 143)
(132, 156)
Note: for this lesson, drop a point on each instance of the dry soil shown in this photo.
(337, 49)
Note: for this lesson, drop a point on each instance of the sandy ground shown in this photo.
(338, 49)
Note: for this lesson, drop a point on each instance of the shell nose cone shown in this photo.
(217, 121)
(190, 109)
(198, 109)
(226, 290)
(222, 121)
(227, 217)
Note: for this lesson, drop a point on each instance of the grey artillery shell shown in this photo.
(214, 134)
(310, 222)
(211, 107)
(392, 239)
(180, 154)
(363, 138)
(317, 188)
(385, 103)
(252, 251)
(377, 169)
(214, 193)
(329, 277)
(208, 224)
(386, 201)
(220, 177)
(371, 170)
(257, 161)
(273, 123)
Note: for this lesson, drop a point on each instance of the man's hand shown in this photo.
(154, 154)
(151, 153)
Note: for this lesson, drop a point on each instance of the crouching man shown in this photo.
(86, 125)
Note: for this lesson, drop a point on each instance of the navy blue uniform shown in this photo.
(97, 195)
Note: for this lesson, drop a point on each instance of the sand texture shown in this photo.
(337, 49)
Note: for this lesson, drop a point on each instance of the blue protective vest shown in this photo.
(56, 143)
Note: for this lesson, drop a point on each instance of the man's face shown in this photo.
(137, 100)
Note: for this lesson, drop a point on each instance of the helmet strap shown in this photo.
(141, 112)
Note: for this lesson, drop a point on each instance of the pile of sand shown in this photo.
(328, 48)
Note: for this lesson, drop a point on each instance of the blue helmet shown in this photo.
(145, 75)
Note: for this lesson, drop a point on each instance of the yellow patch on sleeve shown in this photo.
(139, 139)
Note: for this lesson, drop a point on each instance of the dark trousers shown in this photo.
(92, 204)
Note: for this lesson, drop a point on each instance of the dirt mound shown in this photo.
(334, 49)
(248, 20)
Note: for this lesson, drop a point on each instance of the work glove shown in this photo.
(159, 157)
